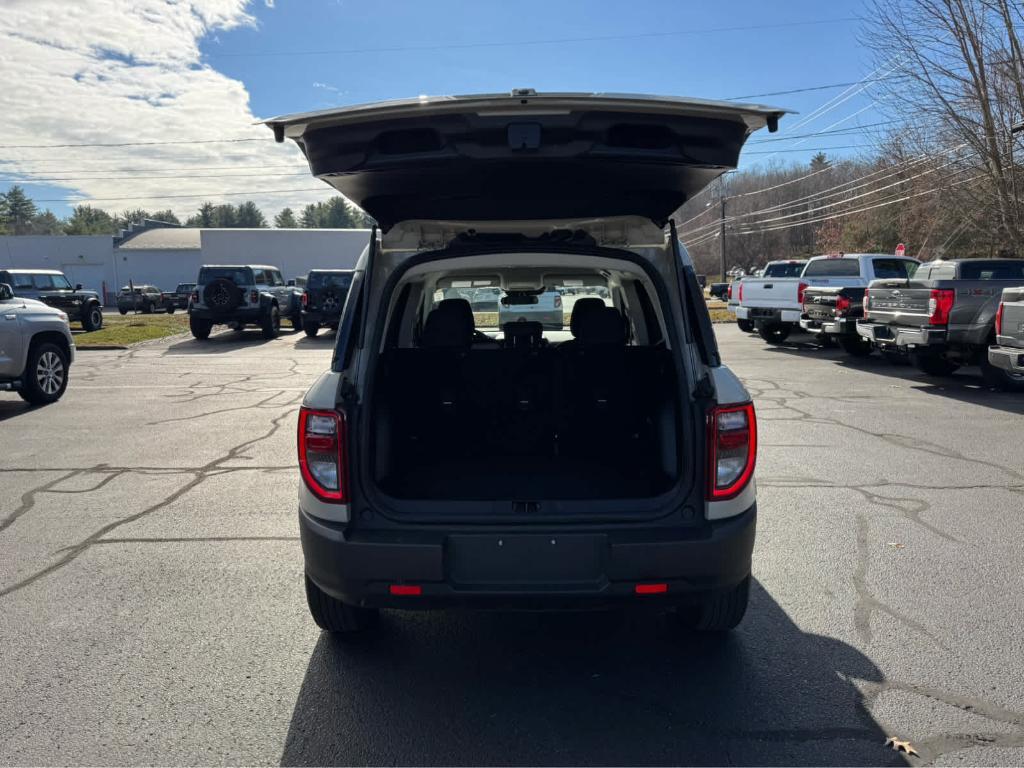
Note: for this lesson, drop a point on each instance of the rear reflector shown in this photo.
(651, 589)
(732, 450)
(405, 589)
(323, 454)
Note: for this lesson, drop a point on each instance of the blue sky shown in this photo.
(297, 55)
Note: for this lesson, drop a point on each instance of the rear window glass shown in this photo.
(184, 287)
(784, 270)
(894, 269)
(327, 280)
(992, 270)
(832, 268)
(237, 275)
(21, 281)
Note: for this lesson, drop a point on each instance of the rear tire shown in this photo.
(147, 308)
(745, 325)
(271, 323)
(123, 311)
(339, 618)
(718, 613)
(856, 346)
(999, 378)
(200, 328)
(46, 374)
(311, 329)
(776, 333)
(170, 310)
(92, 318)
(933, 365)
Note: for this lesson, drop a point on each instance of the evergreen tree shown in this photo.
(248, 215)
(86, 220)
(285, 219)
(166, 216)
(18, 211)
(46, 223)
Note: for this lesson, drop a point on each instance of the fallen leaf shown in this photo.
(896, 545)
(901, 746)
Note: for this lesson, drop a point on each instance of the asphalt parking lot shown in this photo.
(152, 611)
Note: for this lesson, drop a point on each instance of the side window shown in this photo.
(42, 282)
(276, 278)
(261, 276)
(22, 281)
(348, 331)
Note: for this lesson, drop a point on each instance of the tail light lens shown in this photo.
(741, 292)
(999, 320)
(842, 305)
(254, 297)
(195, 297)
(730, 290)
(939, 305)
(732, 450)
(305, 298)
(800, 292)
(323, 455)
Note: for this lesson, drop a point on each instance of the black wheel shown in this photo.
(1000, 378)
(776, 333)
(170, 309)
(123, 311)
(271, 323)
(311, 328)
(338, 617)
(200, 327)
(92, 318)
(857, 346)
(745, 325)
(147, 308)
(46, 374)
(718, 613)
(933, 365)
(825, 340)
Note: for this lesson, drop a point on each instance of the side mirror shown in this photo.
(78, 286)
(6, 292)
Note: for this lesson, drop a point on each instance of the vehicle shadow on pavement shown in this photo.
(611, 688)
(966, 385)
(323, 340)
(10, 409)
(223, 341)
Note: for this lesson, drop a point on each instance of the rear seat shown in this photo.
(449, 398)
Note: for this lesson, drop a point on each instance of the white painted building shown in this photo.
(166, 256)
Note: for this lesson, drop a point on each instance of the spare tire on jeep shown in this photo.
(222, 296)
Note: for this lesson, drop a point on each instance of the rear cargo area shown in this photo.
(576, 420)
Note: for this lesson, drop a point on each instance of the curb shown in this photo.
(100, 347)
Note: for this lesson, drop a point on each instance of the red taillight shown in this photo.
(999, 320)
(732, 450)
(322, 454)
(939, 305)
(405, 589)
(741, 292)
(842, 305)
(195, 297)
(651, 589)
(800, 292)
(305, 298)
(730, 290)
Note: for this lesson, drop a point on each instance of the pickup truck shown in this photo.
(1007, 354)
(944, 316)
(831, 312)
(764, 302)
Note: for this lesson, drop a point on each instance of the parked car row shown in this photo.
(240, 295)
(938, 315)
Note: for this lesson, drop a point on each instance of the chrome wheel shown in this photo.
(50, 373)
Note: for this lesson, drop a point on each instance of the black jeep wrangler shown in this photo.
(325, 294)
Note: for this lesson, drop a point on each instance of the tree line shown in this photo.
(19, 215)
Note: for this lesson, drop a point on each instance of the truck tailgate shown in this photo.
(899, 303)
(820, 303)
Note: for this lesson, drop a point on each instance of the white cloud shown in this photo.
(113, 71)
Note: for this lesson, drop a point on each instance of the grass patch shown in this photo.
(131, 329)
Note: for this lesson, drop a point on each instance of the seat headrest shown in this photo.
(581, 308)
(523, 333)
(449, 324)
(604, 327)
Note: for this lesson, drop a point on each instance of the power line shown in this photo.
(249, 193)
(811, 88)
(148, 170)
(515, 43)
(174, 177)
(132, 143)
(835, 132)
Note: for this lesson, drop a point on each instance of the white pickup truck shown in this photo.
(774, 305)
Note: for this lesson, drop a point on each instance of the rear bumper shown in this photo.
(845, 327)
(1007, 358)
(318, 316)
(885, 335)
(537, 568)
(769, 315)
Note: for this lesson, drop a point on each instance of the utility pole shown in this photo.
(721, 238)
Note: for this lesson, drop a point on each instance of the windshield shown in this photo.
(992, 270)
(789, 269)
(237, 275)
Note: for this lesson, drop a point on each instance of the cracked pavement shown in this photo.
(151, 603)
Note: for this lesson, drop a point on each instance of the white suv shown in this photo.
(610, 463)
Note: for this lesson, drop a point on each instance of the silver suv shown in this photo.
(36, 348)
(241, 295)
